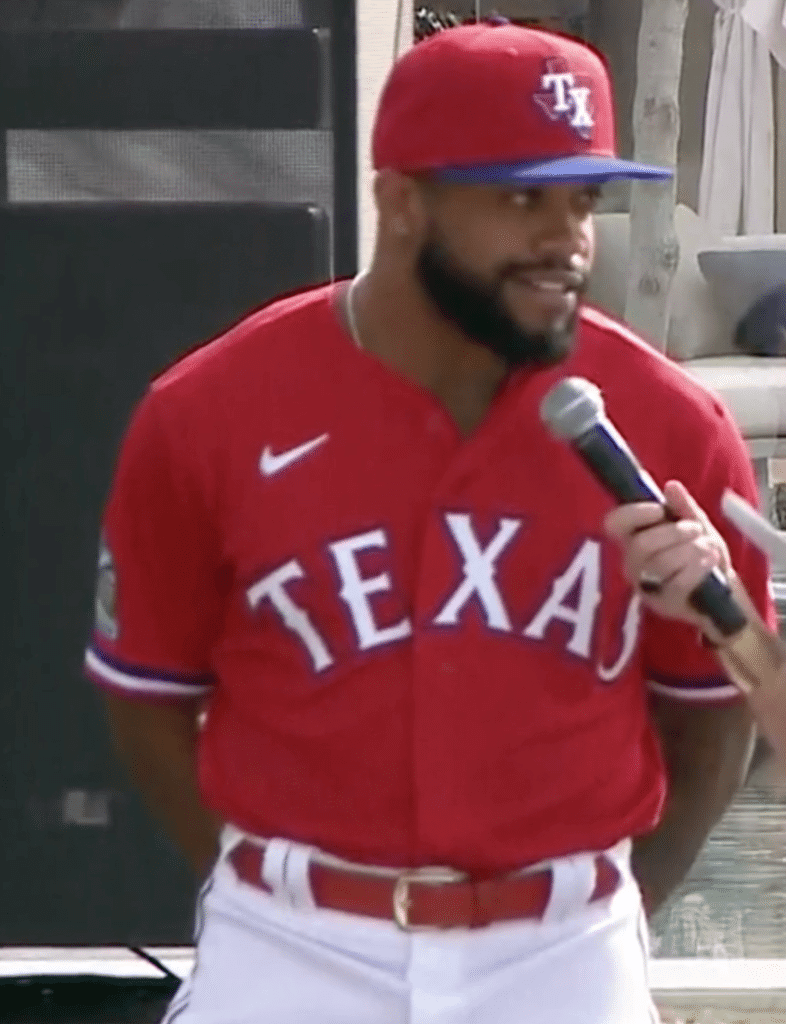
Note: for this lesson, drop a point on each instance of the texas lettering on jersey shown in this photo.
(574, 596)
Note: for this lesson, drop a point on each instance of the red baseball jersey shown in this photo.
(413, 647)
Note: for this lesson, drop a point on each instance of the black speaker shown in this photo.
(187, 78)
(94, 300)
(84, 1000)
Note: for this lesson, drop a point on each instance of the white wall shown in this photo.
(384, 29)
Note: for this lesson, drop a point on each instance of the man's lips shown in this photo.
(550, 281)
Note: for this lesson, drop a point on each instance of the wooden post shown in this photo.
(654, 252)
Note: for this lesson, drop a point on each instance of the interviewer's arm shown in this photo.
(768, 705)
(755, 660)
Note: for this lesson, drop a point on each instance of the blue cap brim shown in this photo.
(565, 169)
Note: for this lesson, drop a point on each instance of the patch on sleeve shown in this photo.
(106, 594)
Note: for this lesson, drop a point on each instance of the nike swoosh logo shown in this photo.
(271, 464)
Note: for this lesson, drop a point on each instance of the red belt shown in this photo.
(415, 900)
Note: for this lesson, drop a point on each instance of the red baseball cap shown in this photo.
(499, 103)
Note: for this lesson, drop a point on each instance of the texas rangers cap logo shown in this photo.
(567, 97)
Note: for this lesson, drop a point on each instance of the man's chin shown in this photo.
(542, 349)
(542, 360)
(548, 326)
(537, 352)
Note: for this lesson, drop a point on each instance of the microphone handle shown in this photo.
(619, 471)
(629, 482)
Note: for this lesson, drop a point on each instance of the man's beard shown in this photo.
(478, 310)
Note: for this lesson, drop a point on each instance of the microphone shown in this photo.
(573, 411)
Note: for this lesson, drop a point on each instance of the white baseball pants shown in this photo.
(277, 959)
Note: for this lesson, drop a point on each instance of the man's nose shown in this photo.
(563, 236)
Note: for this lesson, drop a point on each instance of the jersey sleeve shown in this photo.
(159, 596)
(676, 663)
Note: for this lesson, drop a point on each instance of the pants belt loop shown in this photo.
(228, 839)
(274, 869)
(296, 877)
(619, 854)
(572, 884)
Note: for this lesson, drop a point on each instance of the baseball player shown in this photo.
(365, 641)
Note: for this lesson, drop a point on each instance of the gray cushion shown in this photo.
(753, 389)
(743, 270)
(762, 331)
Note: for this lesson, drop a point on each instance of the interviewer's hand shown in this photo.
(676, 555)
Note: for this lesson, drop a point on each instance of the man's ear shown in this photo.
(400, 205)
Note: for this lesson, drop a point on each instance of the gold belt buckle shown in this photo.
(402, 900)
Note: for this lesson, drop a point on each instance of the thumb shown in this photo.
(682, 503)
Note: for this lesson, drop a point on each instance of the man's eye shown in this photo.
(523, 197)
(590, 198)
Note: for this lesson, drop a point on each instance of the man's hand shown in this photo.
(667, 559)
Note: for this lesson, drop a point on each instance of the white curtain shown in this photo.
(768, 18)
(737, 184)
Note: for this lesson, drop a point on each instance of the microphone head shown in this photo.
(571, 408)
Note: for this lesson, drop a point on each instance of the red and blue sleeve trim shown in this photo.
(142, 681)
(698, 690)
